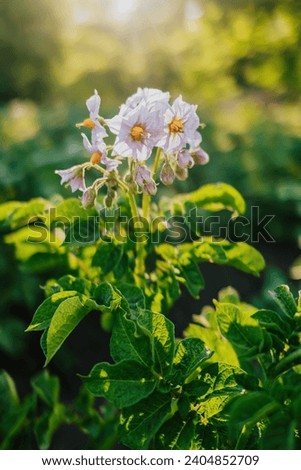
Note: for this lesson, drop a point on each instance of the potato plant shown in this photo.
(124, 250)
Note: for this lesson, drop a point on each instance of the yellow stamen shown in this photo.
(137, 132)
(95, 158)
(88, 123)
(176, 125)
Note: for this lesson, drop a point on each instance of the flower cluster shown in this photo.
(146, 121)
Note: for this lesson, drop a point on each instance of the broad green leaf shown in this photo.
(133, 295)
(212, 197)
(161, 333)
(66, 317)
(230, 295)
(107, 256)
(211, 252)
(243, 332)
(285, 299)
(12, 423)
(46, 425)
(243, 257)
(7, 209)
(14, 214)
(190, 271)
(139, 423)
(70, 210)
(246, 411)
(127, 343)
(222, 386)
(190, 354)
(215, 197)
(168, 286)
(220, 346)
(272, 322)
(220, 376)
(107, 297)
(47, 387)
(46, 310)
(177, 433)
(124, 384)
(281, 433)
(68, 282)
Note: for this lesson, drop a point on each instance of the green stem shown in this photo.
(157, 161)
(146, 198)
(140, 252)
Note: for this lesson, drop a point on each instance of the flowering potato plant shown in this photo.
(125, 252)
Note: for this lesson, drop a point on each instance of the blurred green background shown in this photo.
(238, 60)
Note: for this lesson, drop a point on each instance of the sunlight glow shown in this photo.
(122, 9)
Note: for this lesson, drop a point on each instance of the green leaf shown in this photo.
(212, 197)
(139, 423)
(66, 317)
(46, 310)
(133, 295)
(11, 423)
(14, 214)
(272, 322)
(246, 411)
(161, 332)
(242, 331)
(107, 297)
(124, 384)
(70, 210)
(9, 399)
(281, 433)
(211, 252)
(46, 425)
(222, 386)
(127, 343)
(68, 282)
(47, 388)
(177, 433)
(107, 256)
(190, 354)
(193, 277)
(285, 299)
(215, 342)
(243, 257)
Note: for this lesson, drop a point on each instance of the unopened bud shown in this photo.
(110, 198)
(200, 157)
(185, 160)
(181, 173)
(89, 197)
(167, 174)
(150, 188)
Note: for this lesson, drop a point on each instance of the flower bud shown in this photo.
(181, 173)
(89, 197)
(150, 188)
(200, 157)
(185, 160)
(167, 174)
(110, 198)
